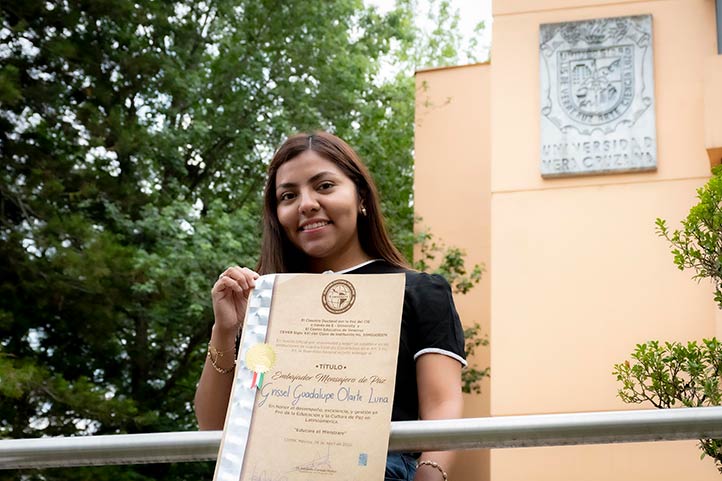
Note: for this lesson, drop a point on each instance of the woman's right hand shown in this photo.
(230, 297)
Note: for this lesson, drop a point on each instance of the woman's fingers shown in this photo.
(238, 279)
(244, 276)
(227, 282)
(230, 294)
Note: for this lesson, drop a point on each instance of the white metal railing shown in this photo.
(409, 436)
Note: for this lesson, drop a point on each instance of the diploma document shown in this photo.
(314, 380)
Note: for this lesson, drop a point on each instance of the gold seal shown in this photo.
(260, 358)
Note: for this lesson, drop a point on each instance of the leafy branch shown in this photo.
(675, 374)
(698, 245)
(450, 262)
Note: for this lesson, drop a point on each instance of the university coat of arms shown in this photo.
(597, 96)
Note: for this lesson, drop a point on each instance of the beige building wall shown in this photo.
(453, 199)
(576, 274)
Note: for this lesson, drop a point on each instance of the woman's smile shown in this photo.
(314, 226)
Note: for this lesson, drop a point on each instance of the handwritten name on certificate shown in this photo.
(314, 383)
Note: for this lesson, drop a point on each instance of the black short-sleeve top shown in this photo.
(429, 324)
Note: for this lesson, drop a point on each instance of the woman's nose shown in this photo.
(308, 203)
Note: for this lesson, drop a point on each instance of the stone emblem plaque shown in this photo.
(597, 97)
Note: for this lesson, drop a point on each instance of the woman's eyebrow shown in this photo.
(314, 178)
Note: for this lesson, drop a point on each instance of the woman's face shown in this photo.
(317, 207)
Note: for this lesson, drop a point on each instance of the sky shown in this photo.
(471, 13)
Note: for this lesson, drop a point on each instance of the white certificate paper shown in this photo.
(314, 383)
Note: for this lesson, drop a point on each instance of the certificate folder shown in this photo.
(314, 380)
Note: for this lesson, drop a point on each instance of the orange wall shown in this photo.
(579, 275)
(712, 108)
(506, 7)
(576, 274)
(452, 195)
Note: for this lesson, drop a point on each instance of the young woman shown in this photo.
(322, 213)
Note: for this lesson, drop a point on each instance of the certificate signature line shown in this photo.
(322, 462)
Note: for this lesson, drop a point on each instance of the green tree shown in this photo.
(698, 245)
(676, 374)
(134, 142)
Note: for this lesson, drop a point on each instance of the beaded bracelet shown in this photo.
(214, 354)
(433, 464)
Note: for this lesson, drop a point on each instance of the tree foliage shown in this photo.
(675, 374)
(134, 138)
(437, 38)
(698, 245)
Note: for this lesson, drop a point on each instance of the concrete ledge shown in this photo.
(713, 109)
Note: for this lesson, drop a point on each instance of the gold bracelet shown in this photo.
(214, 354)
(433, 464)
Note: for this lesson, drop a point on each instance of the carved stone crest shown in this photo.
(596, 86)
(597, 96)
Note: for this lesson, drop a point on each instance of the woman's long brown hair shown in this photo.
(278, 254)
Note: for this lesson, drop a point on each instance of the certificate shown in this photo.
(314, 382)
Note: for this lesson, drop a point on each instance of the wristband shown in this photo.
(433, 464)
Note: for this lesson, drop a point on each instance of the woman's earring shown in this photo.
(363, 210)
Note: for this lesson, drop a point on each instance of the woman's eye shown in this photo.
(286, 196)
(325, 185)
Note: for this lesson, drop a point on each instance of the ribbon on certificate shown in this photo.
(240, 409)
